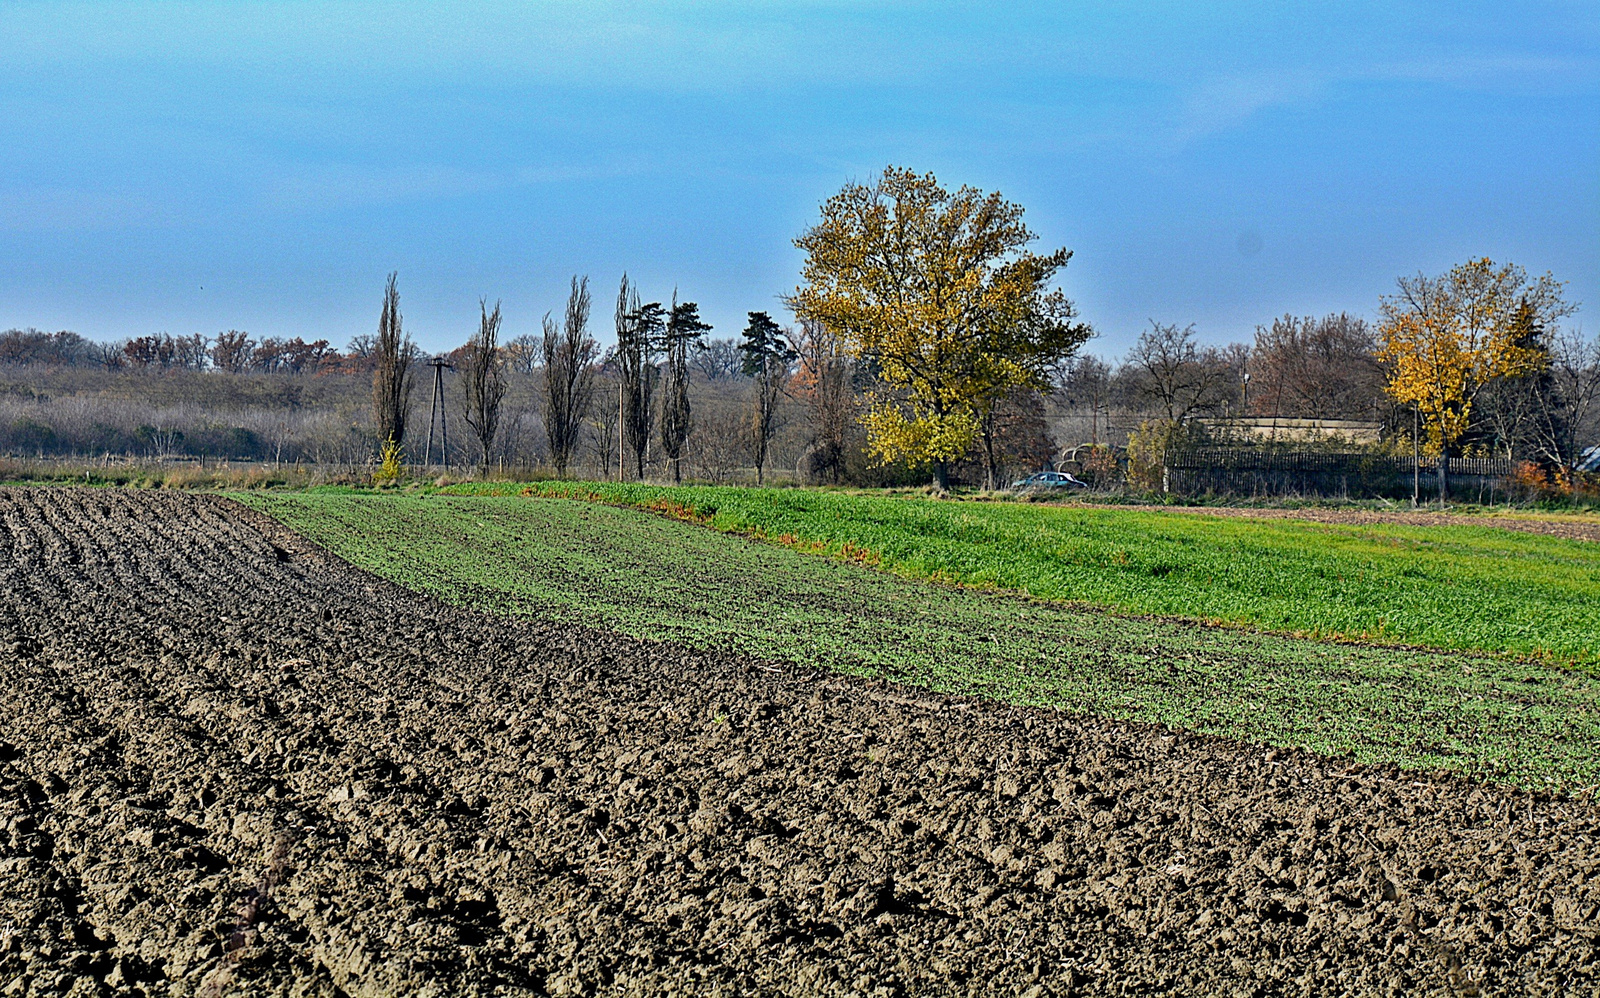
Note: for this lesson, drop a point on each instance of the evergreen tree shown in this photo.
(767, 358)
(683, 331)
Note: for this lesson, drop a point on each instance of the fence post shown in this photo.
(1416, 456)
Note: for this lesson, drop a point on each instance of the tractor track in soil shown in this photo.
(232, 764)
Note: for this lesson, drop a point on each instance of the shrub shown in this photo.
(389, 467)
(1148, 447)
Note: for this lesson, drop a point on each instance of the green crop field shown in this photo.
(1476, 588)
(629, 570)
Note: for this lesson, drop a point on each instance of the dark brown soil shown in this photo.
(230, 764)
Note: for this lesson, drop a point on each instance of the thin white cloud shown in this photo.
(1224, 102)
(1497, 69)
(333, 186)
(58, 209)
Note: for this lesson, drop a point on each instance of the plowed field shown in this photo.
(232, 764)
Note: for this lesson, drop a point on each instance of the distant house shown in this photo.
(1294, 429)
(1589, 460)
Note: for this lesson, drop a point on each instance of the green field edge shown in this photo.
(660, 500)
(1496, 719)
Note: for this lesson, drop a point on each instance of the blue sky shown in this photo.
(198, 167)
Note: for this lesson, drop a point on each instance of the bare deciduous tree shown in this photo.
(1014, 433)
(605, 422)
(1083, 381)
(1172, 371)
(523, 353)
(231, 351)
(484, 388)
(569, 356)
(639, 330)
(108, 356)
(165, 351)
(391, 374)
(192, 352)
(24, 347)
(1569, 408)
(823, 382)
(717, 359)
(1316, 368)
(720, 441)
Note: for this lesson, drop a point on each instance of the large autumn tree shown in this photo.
(1445, 339)
(936, 290)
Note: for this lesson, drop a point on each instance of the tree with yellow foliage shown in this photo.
(936, 291)
(1444, 339)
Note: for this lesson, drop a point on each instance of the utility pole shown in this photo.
(437, 409)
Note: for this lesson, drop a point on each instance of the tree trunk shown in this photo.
(989, 475)
(761, 423)
(941, 475)
(1444, 473)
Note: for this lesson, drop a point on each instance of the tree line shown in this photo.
(936, 293)
(648, 370)
(928, 338)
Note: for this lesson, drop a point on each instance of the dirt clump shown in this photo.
(230, 763)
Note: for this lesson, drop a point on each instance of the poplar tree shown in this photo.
(569, 356)
(823, 382)
(391, 374)
(485, 388)
(638, 340)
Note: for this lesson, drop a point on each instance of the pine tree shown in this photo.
(683, 330)
(766, 359)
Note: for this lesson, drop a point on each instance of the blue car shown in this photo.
(1049, 480)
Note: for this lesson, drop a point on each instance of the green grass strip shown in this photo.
(649, 576)
(1459, 587)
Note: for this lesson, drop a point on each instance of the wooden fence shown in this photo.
(1270, 471)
